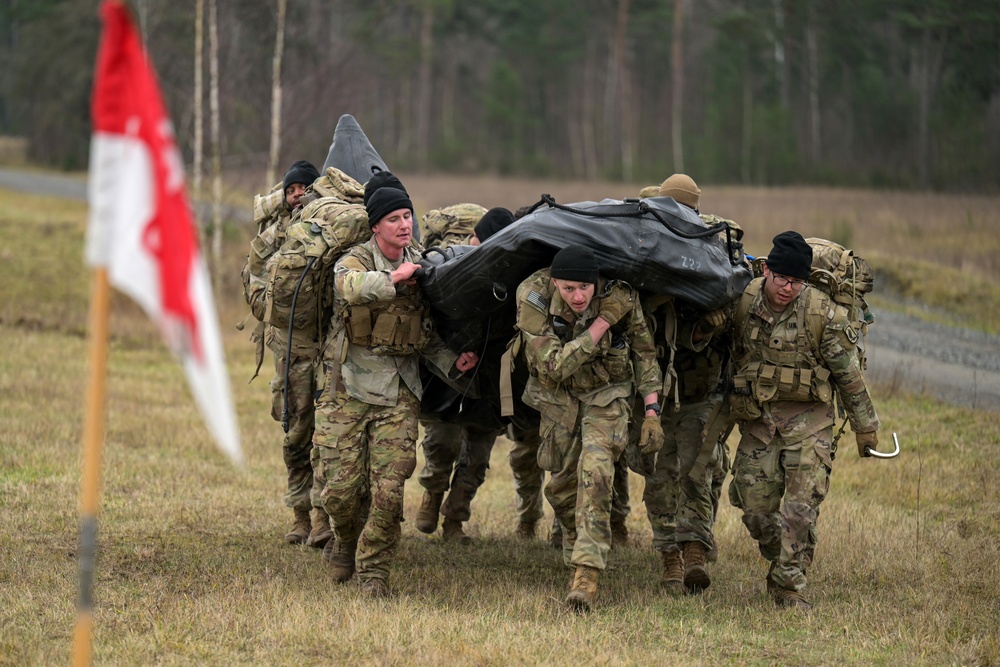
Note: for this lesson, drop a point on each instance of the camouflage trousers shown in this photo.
(456, 458)
(719, 474)
(580, 490)
(365, 455)
(678, 494)
(779, 488)
(298, 442)
(529, 478)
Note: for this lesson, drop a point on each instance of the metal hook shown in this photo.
(885, 455)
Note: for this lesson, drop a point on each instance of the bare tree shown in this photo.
(279, 51)
(199, 109)
(812, 49)
(424, 94)
(213, 102)
(677, 81)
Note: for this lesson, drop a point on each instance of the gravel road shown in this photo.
(956, 365)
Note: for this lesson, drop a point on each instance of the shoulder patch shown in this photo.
(538, 301)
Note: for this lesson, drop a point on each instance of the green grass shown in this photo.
(192, 568)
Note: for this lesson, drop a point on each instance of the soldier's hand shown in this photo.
(404, 274)
(867, 442)
(616, 304)
(466, 361)
(709, 324)
(651, 436)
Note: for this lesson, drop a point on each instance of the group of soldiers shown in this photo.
(616, 380)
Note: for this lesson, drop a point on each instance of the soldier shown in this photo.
(456, 457)
(587, 348)
(366, 415)
(794, 347)
(679, 493)
(529, 477)
(310, 525)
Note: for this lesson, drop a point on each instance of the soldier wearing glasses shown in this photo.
(794, 348)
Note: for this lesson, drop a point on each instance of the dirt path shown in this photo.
(955, 365)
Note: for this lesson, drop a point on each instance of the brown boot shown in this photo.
(376, 588)
(672, 579)
(320, 533)
(526, 530)
(342, 559)
(619, 534)
(790, 599)
(696, 577)
(713, 551)
(451, 531)
(427, 515)
(584, 590)
(300, 529)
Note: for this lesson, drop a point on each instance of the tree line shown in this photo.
(881, 93)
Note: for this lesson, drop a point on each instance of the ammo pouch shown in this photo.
(392, 328)
(761, 382)
(743, 404)
(614, 367)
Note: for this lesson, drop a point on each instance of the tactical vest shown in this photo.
(611, 365)
(396, 328)
(785, 367)
(698, 373)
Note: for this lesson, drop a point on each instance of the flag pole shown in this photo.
(93, 442)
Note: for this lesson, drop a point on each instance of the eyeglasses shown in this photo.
(795, 283)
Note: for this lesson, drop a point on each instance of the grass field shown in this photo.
(192, 569)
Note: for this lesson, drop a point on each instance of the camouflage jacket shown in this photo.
(763, 336)
(362, 276)
(567, 367)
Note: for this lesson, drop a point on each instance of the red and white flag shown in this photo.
(141, 227)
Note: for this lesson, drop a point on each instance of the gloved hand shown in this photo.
(710, 323)
(616, 304)
(866, 441)
(651, 436)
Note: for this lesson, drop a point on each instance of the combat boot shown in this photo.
(451, 531)
(427, 515)
(672, 580)
(790, 599)
(696, 577)
(376, 588)
(320, 533)
(300, 529)
(619, 534)
(581, 595)
(526, 530)
(341, 559)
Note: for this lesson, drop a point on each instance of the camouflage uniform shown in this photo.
(297, 442)
(366, 415)
(678, 494)
(786, 367)
(582, 391)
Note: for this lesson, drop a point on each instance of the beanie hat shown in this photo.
(382, 179)
(577, 263)
(791, 256)
(383, 202)
(302, 172)
(492, 222)
(683, 189)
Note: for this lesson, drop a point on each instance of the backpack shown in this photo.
(298, 272)
(452, 225)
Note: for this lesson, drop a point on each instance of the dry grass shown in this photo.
(192, 570)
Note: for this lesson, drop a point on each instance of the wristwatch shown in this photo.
(655, 407)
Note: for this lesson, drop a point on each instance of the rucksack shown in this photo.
(452, 225)
(297, 273)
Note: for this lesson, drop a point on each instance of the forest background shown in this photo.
(870, 93)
